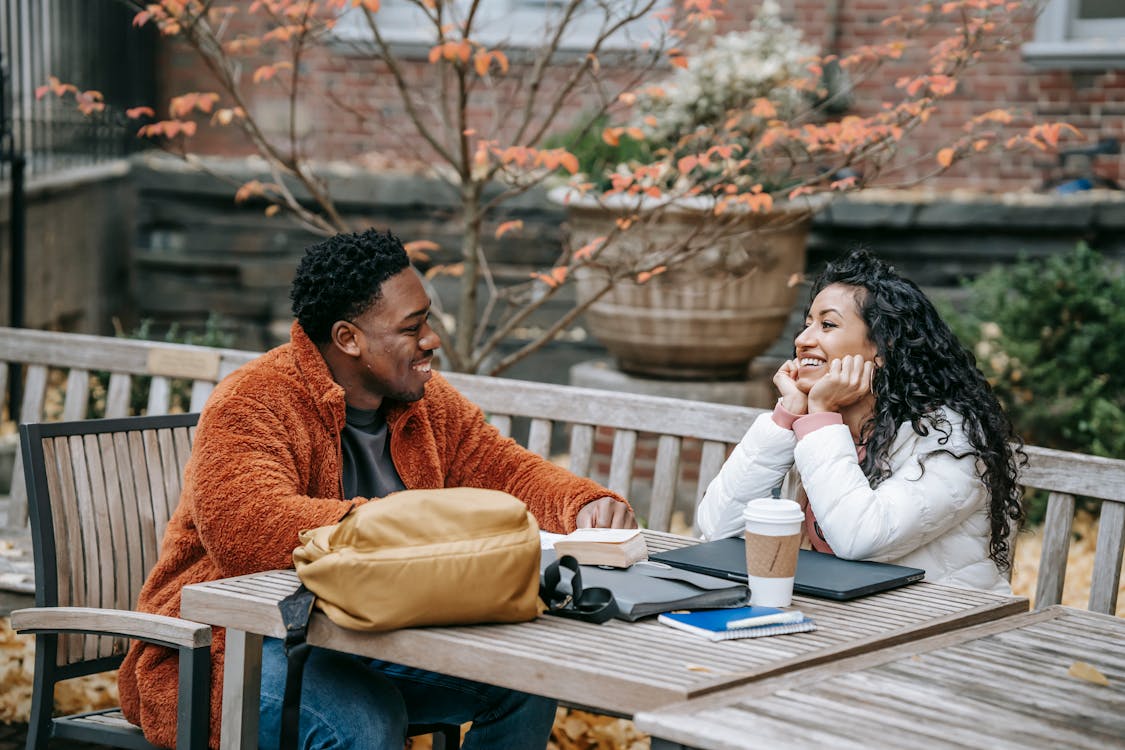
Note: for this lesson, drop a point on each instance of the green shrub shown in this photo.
(1049, 334)
(596, 158)
(180, 396)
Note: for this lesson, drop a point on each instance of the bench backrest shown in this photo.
(623, 420)
(1064, 476)
(691, 438)
(101, 494)
(38, 359)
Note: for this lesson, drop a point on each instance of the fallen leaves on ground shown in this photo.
(17, 670)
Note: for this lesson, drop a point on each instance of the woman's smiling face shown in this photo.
(833, 329)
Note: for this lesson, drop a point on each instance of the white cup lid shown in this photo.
(772, 510)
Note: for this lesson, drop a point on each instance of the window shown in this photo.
(521, 23)
(1079, 34)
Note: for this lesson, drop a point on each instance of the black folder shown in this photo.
(818, 574)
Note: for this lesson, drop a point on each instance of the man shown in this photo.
(349, 410)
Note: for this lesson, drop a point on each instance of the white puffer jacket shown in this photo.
(934, 518)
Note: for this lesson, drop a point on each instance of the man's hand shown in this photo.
(606, 513)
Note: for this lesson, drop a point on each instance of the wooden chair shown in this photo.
(101, 492)
(1064, 476)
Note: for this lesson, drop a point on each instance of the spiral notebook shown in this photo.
(715, 624)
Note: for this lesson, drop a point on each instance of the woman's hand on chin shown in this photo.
(847, 381)
(793, 399)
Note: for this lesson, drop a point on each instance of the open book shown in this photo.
(618, 548)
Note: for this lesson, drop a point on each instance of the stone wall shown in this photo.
(79, 239)
(197, 252)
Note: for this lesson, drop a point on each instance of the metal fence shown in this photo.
(89, 43)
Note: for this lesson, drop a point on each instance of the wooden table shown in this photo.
(617, 668)
(1003, 684)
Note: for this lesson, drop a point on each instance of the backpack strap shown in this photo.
(295, 612)
(592, 605)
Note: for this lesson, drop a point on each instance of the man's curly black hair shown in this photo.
(341, 277)
(924, 367)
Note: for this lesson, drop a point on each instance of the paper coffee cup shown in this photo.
(773, 537)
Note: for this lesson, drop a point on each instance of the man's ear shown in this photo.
(345, 337)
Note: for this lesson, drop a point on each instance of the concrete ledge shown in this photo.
(756, 390)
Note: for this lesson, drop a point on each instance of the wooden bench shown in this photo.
(626, 422)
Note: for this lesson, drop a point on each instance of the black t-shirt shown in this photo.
(368, 468)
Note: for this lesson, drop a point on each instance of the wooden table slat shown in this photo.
(1000, 684)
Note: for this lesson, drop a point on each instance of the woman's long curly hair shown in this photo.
(924, 368)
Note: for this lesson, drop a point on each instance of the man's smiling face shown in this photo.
(396, 342)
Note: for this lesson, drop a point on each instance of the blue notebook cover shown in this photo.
(713, 624)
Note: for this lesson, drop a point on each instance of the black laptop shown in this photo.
(818, 574)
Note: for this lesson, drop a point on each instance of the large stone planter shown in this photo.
(705, 319)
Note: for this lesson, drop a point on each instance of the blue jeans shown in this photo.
(353, 702)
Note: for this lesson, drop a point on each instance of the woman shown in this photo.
(902, 449)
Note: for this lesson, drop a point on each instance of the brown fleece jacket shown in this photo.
(266, 463)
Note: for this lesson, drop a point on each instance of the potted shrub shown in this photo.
(699, 287)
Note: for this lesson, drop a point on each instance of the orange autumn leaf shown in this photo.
(503, 60)
(612, 136)
(266, 72)
(763, 108)
(1088, 672)
(945, 157)
(167, 128)
(227, 116)
(644, 276)
(508, 226)
(455, 270)
(419, 249)
(553, 279)
(371, 6)
(761, 202)
(587, 251)
(185, 103)
(272, 209)
(481, 62)
(249, 190)
(134, 112)
(569, 162)
(942, 85)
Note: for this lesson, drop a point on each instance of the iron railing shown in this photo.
(89, 43)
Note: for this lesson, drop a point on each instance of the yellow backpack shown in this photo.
(453, 556)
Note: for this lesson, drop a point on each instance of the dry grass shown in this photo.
(574, 730)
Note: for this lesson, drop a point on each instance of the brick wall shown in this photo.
(365, 121)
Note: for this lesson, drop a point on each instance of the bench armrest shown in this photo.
(170, 631)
